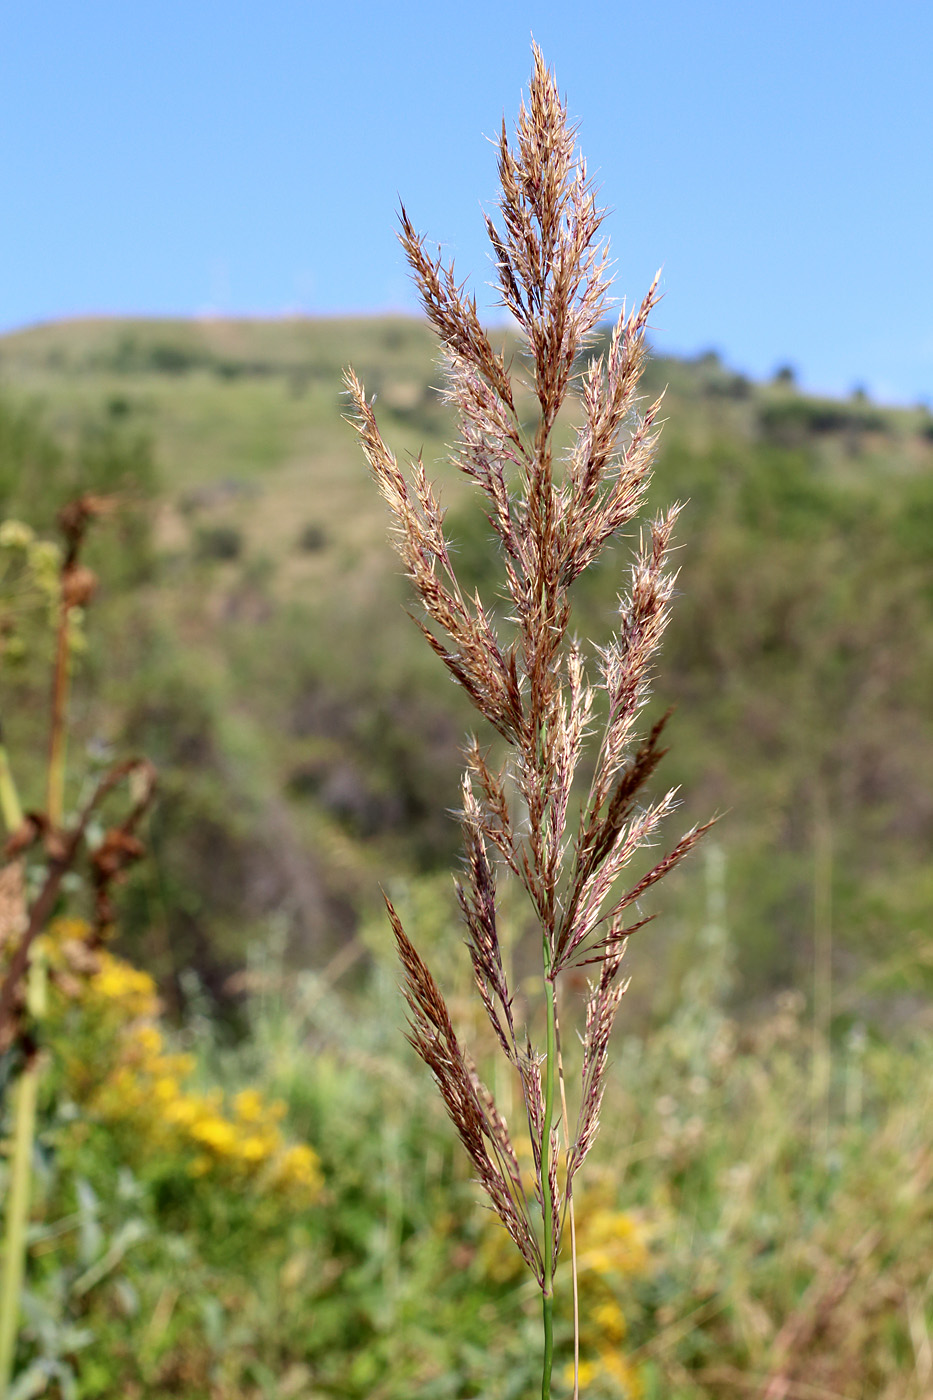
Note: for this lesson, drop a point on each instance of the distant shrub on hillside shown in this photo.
(729, 386)
(312, 539)
(134, 354)
(790, 422)
(218, 542)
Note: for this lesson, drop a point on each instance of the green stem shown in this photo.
(20, 1188)
(14, 1254)
(548, 1347)
(57, 741)
(10, 808)
(24, 1132)
(550, 1243)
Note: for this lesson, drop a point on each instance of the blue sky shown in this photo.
(233, 158)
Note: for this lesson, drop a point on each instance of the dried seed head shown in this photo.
(552, 521)
(79, 584)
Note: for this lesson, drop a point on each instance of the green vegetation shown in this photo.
(745, 1217)
(259, 649)
(765, 1167)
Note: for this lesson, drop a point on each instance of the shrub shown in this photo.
(218, 542)
(119, 1070)
(791, 422)
(313, 538)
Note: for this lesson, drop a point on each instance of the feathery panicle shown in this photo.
(552, 520)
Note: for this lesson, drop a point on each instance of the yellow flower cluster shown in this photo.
(610, 1365)
(119, 985)
(122, 1072)
(612, 1245)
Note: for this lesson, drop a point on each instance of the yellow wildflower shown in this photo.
(253, 1149)
(132, 990)
(184, 1111)
(249, 1106)
(215, 1132)
(587, 1373)
(149, 1039)
(613, 1364)
(299, 1165)
(619, 1243)
(66, 930)
(610, 1320)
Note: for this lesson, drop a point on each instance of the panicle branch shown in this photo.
(478, 905)
(471, 651)
(480, 1126)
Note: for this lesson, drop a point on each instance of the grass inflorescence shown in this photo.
(527, 677)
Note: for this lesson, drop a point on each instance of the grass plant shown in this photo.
(526, 676)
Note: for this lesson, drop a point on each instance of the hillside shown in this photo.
(251, 638)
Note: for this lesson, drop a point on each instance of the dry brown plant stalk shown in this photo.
(552, 520)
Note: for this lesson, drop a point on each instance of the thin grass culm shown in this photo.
(527, 675)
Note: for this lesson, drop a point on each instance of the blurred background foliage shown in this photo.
(250, 638)
(290, 1216)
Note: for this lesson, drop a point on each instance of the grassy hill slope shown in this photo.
(253, 641)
